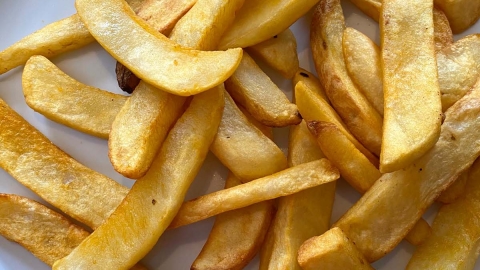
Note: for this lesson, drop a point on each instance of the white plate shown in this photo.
(91, 65)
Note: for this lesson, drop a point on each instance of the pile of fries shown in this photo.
(398, 121)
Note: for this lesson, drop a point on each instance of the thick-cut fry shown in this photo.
(313, 107)
(162, 15)
(361, 118)
(150, 55)
(51, 92)
(255, 91)
(56, 38)
(362, 58)
(258, 21)
(311, 81)
(137, 223)
(301, 215)
(279, 52)
(460, 13)
(140, 128)
(280, 184)
(48, 235)
(455, 232)
(239, 144)
(456, 190)
(36, 163)
(331, 251)
(381, 218)
(413, 109)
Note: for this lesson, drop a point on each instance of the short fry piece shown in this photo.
(137, 223)
(380, 219)
(280, 184)
(460, 13)
(150, 55)
(413, 109)
(279, 52)
(311, 81)
(331, 251)
(255, 91)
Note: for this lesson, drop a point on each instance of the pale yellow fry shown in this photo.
(460, 13)
(51, 92)
(279, 52)
(456, 190)
(150, 55)
(162, 15)
(413, 109)
(35, 162)
(301, 215)
(54, 39)
(239, 144)
(380, 219)
(311, 81)
(258, 21)
(48, 235)
(262, 98)
(140, 128)
(362, 58)
(280, 184)
(190, 33)
(455, 232)
(331, 251)
(361, 118)
(137, 223)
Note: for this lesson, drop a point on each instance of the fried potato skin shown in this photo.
(380, 219)
(326, 32)
(162, 15)
(460, 13)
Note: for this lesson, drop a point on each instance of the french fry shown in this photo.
(258, 21)
(380, 219)
(51, 92)
(330, 251)
(301, 215)
(280, 184)
(311, 81)
(30, 158)
(361, 118)
(455, 232)
(255, 91)
(455, 190)
(279, 52)
(47, 234)
(460, 13)
(181, 71)
(137, 223)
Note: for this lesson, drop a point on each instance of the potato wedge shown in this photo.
(181, 71)
(279, 52)
(361, 118)
(47, 234)
(140, 128)
(413, 108)
(280, 184)
(258, 21)
(460, 13)
(262, 98)
(456, 190)
(54, 39)
(301, 215)
(51, 92)
(380, 219)
(311, 81)
(330, 251)
(36, 163)
(455, 232)
(137, 223)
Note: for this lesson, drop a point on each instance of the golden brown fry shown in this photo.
(380, 219)
(413, 109)
(239, 144)
(455, 232)
(280, 184)
(443, 35)
(460, 13)
(51, 92)
(140, 128)
(36, 163)
(279, 52)
(326, 32)
(162, 15)
(362, 59)
(254, 90)
(311, 81)
(331, 251)
(56, 38)
(137, 223)
(456, 190)
(419, 232)
(139, 47)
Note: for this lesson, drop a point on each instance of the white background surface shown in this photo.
(91, 65)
